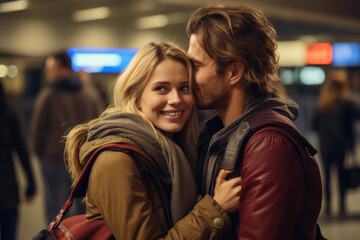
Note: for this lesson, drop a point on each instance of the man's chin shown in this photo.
(200, 105)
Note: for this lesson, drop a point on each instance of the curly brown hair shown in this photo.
(243, 34)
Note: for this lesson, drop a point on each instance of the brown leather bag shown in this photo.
(77, 227)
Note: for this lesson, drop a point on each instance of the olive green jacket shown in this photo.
(116, 193)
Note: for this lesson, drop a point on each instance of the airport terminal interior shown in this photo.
(315, 36)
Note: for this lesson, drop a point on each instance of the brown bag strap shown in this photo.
(79, 190)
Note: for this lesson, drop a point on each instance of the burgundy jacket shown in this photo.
(281, 191)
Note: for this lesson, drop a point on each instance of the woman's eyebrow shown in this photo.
(160, 83)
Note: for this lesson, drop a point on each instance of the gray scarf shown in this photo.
(175, 169)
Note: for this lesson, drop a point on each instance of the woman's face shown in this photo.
(166, 99)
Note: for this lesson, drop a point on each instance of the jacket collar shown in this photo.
(69, 83)
(220, 134)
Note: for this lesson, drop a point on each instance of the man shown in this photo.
(59, 106)
(233, 50)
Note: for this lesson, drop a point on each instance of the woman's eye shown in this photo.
(160, 89)
(185, 88)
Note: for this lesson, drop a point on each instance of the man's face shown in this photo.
(210, 89)
(51, 69)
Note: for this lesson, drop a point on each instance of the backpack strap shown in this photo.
(232, 150)
(256, 122)
(232, 153)
(79, 190)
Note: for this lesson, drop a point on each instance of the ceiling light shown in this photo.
(12, 71)
(13, 6)
(3, 70)
(155, 21)
(91, 14)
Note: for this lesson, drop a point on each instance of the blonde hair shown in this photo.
(127, 90)
(335, 91)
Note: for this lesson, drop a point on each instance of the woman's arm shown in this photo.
(117, 191)
(227, 192)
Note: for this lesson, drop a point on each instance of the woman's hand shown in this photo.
(227, 193)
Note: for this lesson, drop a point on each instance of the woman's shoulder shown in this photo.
(113, 159)
(113, 168)
(114, 175)
(88, 148)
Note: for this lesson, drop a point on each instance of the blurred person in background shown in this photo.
(12, 141)
(355, 86)
(334, 121)
(59, 106)
(93, 89)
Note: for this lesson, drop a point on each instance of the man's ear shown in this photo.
(236, 72)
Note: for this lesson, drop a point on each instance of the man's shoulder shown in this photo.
(276, 125)
(261, 123)
(270, 119)
(91, 92)
(44, 95)
(270, 123)
(45, 91)
(270, 132)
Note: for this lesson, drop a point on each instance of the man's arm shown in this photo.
(39, 124)
(272, 187)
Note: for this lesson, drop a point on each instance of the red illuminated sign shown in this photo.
(319, 54)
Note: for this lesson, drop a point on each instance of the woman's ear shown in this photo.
(236, 72)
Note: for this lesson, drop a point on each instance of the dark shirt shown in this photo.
(12, 141)
(336, 128)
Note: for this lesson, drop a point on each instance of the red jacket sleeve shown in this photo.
(272, 187)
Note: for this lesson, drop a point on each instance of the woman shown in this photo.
(153, 110)
(334, 121)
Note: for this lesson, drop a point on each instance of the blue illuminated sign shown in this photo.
(96, 60)
(346, 54)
